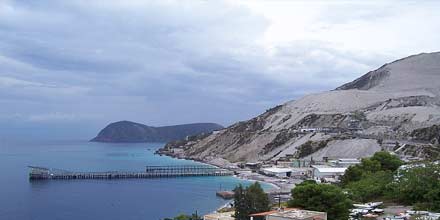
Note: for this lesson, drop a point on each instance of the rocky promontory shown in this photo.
(132, 132)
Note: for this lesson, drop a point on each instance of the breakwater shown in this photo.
(42, 173)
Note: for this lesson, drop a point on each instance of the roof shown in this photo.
(328, 169)
(271, 212)
(277, 170)
(220, 215)
(300, 214)
(253, 163)
(348, 160)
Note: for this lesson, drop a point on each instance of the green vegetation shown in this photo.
(380, 161)
(419, 186)
(378, 177)
(370, 187)
(250, 200)
(321, 197)
(372, 178)
(310, 147)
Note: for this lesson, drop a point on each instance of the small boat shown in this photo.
(368, 205)
(374, 204)
(361, 206)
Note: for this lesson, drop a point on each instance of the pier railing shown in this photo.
(41, 173)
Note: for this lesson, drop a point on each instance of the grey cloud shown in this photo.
(157, 62)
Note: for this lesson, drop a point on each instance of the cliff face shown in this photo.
(126, 131)
(355, 120)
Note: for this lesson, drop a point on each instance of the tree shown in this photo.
(251, 200)
(387, 161)
(380, 161)
(321, 197)
(241, 206)
(368, 165)
(420, 186)
(258, 199)
(371, 186)
(352, 174)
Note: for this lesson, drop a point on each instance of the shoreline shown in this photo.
(254, 177)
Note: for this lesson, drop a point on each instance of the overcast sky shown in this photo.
(74, 66)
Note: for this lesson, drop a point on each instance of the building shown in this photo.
(322, 171)
(298, 215)
(291, 214)
(277, 171)
(220, 216)
(301, 172)
(254, 166)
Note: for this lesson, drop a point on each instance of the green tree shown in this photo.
(258, 199)
(368, 165)
(352, 174)
(420, 186)
(380, 161)
(251, 200)
(241, 207)
(321, 197)
(387, 161)
(370, 187)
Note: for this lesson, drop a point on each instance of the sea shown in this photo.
(137, 199)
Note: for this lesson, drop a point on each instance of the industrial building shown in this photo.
(277, 171)
(322, 171)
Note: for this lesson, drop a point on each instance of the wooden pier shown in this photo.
(42, 173)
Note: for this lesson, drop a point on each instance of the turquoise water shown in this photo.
(99, 199)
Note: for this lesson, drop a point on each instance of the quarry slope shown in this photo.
(377, 111)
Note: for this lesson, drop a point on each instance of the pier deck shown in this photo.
(42, 173)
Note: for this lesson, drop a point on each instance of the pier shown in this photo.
(42, 173)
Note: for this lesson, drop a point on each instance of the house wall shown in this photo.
(284, 218)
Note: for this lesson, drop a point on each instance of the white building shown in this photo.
(323, 171)
(277, 171)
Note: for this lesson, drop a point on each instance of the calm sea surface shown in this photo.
(147, 199)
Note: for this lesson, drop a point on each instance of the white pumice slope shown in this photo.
(384, 104)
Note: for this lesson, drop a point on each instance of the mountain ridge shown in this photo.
(382, 105)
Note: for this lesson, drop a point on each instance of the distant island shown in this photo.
(132, 132)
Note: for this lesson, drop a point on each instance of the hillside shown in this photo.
(126, 131)
(374, 112)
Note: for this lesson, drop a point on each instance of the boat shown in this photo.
(377, 210)
(374, 204)
(361, 206)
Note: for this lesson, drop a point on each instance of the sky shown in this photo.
(68, 68)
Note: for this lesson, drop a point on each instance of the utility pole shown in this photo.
(279, 199)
